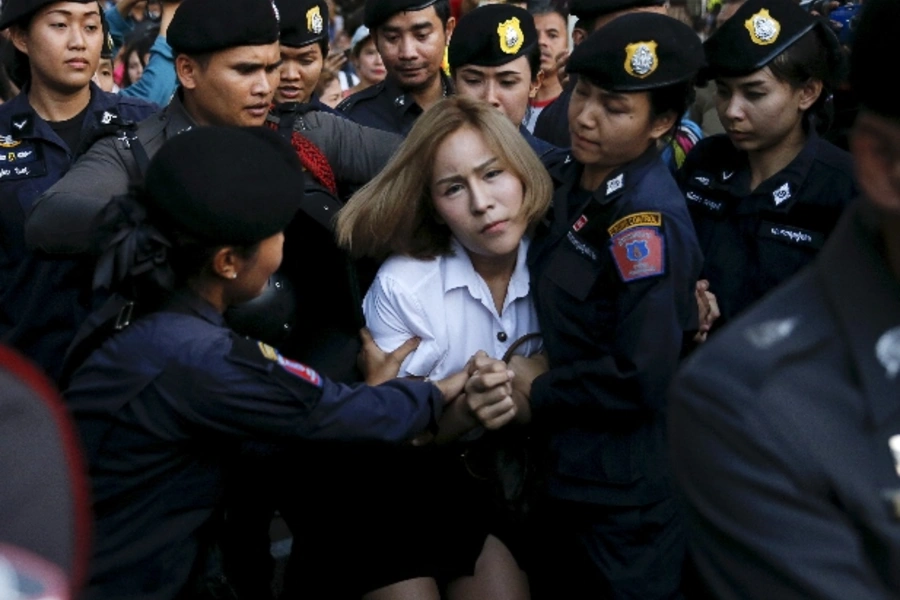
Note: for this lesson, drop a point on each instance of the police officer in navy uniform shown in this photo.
(43, 130)
(162, 404)
(765, 195)
(785, 428)
(411, 36)
(613, 277)
(553, 123)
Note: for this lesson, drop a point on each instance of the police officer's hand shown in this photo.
(525, 370)
(489, 391)
(709, 310)
(377, 365)
(335, 60)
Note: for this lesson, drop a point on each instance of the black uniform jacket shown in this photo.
(386, 106)
(752, 241)
(613, 279)
(784, 434)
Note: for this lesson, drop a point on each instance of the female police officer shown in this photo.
(764, 196)
(161, 404)
(613, 279)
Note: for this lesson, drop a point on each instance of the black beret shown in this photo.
(492, 35)
(225, 185)
(377, 12)
(588, 9)
(639, 51)
(759, 31)
(873, 47)
(201, 26)
(17, 10)
(303, 22)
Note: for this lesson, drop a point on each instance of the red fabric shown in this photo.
(312, 160)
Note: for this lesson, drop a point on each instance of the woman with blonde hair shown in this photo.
(452, 212)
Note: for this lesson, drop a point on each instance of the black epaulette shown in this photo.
(366, 94)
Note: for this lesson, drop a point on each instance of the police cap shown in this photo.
(874, 46)
(589, 9)
(377, 12)
(492, 35)
(18, 10)
(201, 26)
(225, 185)
(639, 51)
(759, 31)
(303, 22)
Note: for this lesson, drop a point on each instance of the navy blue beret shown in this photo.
(201, 26)
(492, 35)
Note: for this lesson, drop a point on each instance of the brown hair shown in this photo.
(394, 213)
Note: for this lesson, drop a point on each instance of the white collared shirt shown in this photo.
(449, 307)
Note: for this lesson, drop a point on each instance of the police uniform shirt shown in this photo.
(552, 125)
(447, 304)
(752, 241)
(784, 434)
(160, 406)
(42, 301)
(386, 106)
(613, 280)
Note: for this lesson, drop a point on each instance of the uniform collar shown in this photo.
(616, 184)
(866, 298)
(403, 102)
(459, 273)
(188, 302)
(178, 119)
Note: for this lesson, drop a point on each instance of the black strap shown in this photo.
(115, 314)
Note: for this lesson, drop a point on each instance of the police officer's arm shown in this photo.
(64, 218)
(356, 153)
(759, 519)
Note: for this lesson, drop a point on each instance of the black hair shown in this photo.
(323, 46)
(534, 61)
(546, 7)
(190, 257)
(442, 8)
(675, 98)
(140, 44)
(7, 86)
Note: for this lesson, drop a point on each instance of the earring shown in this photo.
(234, 275)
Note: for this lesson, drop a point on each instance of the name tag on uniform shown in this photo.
(20, 160)
(790, 234)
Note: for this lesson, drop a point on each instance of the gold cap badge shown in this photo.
(641, 59)
(763, 28)
(314, 22)
(511, 35)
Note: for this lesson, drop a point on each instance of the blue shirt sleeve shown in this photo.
(158, 82)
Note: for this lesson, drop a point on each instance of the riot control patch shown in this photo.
(638, 251)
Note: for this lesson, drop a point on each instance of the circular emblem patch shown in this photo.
(641, 59)
(763, 28)
(314, 21)
(511, 35)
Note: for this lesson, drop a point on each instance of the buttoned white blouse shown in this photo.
(449, 307)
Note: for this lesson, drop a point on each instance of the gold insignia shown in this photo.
(511, 35)
(641, 59)
(6, 141)
(763, 28)
(644, 219)
(314, 22)
(268, 351)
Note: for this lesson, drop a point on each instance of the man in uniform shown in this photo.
(304, 46)
(411, 36)
(785, 431)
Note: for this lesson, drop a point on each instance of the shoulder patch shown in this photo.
(264, 357)
(652, 219)
(639, 252)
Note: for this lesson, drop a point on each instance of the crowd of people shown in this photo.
(476, 303)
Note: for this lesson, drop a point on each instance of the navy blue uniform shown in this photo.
(161, 407)
(43, 300)
(783, 431)
(553, 123)
(752, 241)
(386, 106)
(613, 279)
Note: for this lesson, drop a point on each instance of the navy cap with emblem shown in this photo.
(639, 51)
(303, 22)
(874, 45)
(759, 31)
(201, 26)
(225, 185)
(376, 12)
(589, 9)
(19, 10)
(492, 35)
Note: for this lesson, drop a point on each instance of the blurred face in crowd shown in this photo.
(230, 87)
(331, 94)
(135, 66)
(506, 87)
(368, 63)
(104, 75)
(299, 73)
(412, 47)
(63, 43)
(553, 38)
(875, 144)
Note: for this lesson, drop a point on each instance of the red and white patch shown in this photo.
(300, 370)
(580, 223)
(639, 253)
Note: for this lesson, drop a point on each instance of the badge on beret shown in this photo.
(314, 22)
(763, 28)
(641, 59)
(511, 35)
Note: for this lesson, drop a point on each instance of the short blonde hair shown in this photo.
(394, 213)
